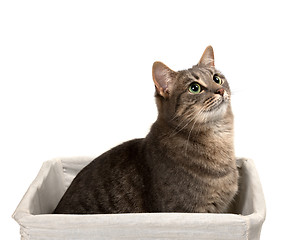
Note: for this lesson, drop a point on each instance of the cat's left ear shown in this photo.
(207, 58)
(163, 78)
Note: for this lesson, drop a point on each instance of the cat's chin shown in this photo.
(216, 113)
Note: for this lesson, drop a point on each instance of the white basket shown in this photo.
(36, 222)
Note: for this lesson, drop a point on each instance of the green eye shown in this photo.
(217, 79)
(194, 88)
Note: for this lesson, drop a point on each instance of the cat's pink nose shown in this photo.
(220, 91)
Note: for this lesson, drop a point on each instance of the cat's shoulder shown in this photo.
(124, 152)
(126, 147)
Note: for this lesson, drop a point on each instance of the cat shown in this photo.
(186, 163)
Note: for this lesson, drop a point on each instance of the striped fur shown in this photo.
(185, 164)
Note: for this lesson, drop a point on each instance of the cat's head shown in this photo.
(200, 94)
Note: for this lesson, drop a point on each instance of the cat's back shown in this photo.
(111, 183)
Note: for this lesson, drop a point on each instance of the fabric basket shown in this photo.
(36, 222)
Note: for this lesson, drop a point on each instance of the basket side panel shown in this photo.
(138, 226)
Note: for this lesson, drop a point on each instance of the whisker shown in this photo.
(197, 116)
(188, 119)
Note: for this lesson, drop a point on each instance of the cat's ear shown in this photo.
(207, 58)
(163, 78)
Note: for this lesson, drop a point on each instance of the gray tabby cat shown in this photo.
(185, 164)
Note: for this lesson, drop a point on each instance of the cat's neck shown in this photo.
(213, 140)
(162, 130)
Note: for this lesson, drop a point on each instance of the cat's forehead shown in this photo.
(201, 75)
(200, 72)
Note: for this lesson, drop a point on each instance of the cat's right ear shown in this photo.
(162, 78)
(207, 58)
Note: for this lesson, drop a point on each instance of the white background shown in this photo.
(76, 80)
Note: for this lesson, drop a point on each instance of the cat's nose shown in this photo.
(220, 91)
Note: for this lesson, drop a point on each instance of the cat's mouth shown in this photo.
(214, 108)
(214, 104)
